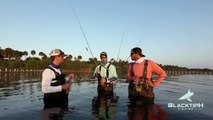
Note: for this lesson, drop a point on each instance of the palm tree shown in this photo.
(25, 53)
(42, 54)
(8, 53)
(1, 56)
(79, 57)
(93, 60)
(33, 52)
(69, 58)
(17, 55)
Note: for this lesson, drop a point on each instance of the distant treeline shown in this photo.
(14, 59)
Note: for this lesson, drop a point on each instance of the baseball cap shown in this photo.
(56, 52)
(103, 54)
(137, 50)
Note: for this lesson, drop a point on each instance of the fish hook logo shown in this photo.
(187, 96)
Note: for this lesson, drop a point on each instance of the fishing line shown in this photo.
(122, 37)
(82, 30)
(139, 43)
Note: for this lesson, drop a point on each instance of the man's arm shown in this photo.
(159, 72)
(95, 72)
(47, 77)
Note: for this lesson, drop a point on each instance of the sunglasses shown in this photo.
(132, 54)
(103, 57)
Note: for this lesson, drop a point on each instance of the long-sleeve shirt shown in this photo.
(152, 68)
(112, 71)
(47, 77)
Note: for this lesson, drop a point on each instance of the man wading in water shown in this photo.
(106, 74)
(55, 85)
(140, 74)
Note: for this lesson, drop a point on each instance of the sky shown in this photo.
(169, 32)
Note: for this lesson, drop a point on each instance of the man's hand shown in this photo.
(150, 82)
(102, 81)
(66, 86)
(98, 72)
(71, 75)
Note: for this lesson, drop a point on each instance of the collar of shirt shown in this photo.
(104, 64)
(54, 65)
(139, 60)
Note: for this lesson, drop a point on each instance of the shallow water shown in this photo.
(21, 98)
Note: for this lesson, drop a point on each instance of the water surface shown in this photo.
(21, 98)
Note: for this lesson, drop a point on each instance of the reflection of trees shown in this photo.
(7, 79)
(16, 83)
(104, 106)
(9, 85)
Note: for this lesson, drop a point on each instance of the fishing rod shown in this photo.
(139, 43)
(82, 30)
(122, 37)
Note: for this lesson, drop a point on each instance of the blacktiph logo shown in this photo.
(186, 106)
(187, 96)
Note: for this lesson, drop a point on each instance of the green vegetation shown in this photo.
(14, 59)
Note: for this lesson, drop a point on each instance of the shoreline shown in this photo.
(88, 71)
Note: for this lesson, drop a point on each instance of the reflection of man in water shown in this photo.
(104, 106)
(55, 113)
(145, 109)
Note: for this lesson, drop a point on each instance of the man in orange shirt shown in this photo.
(140, 75)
